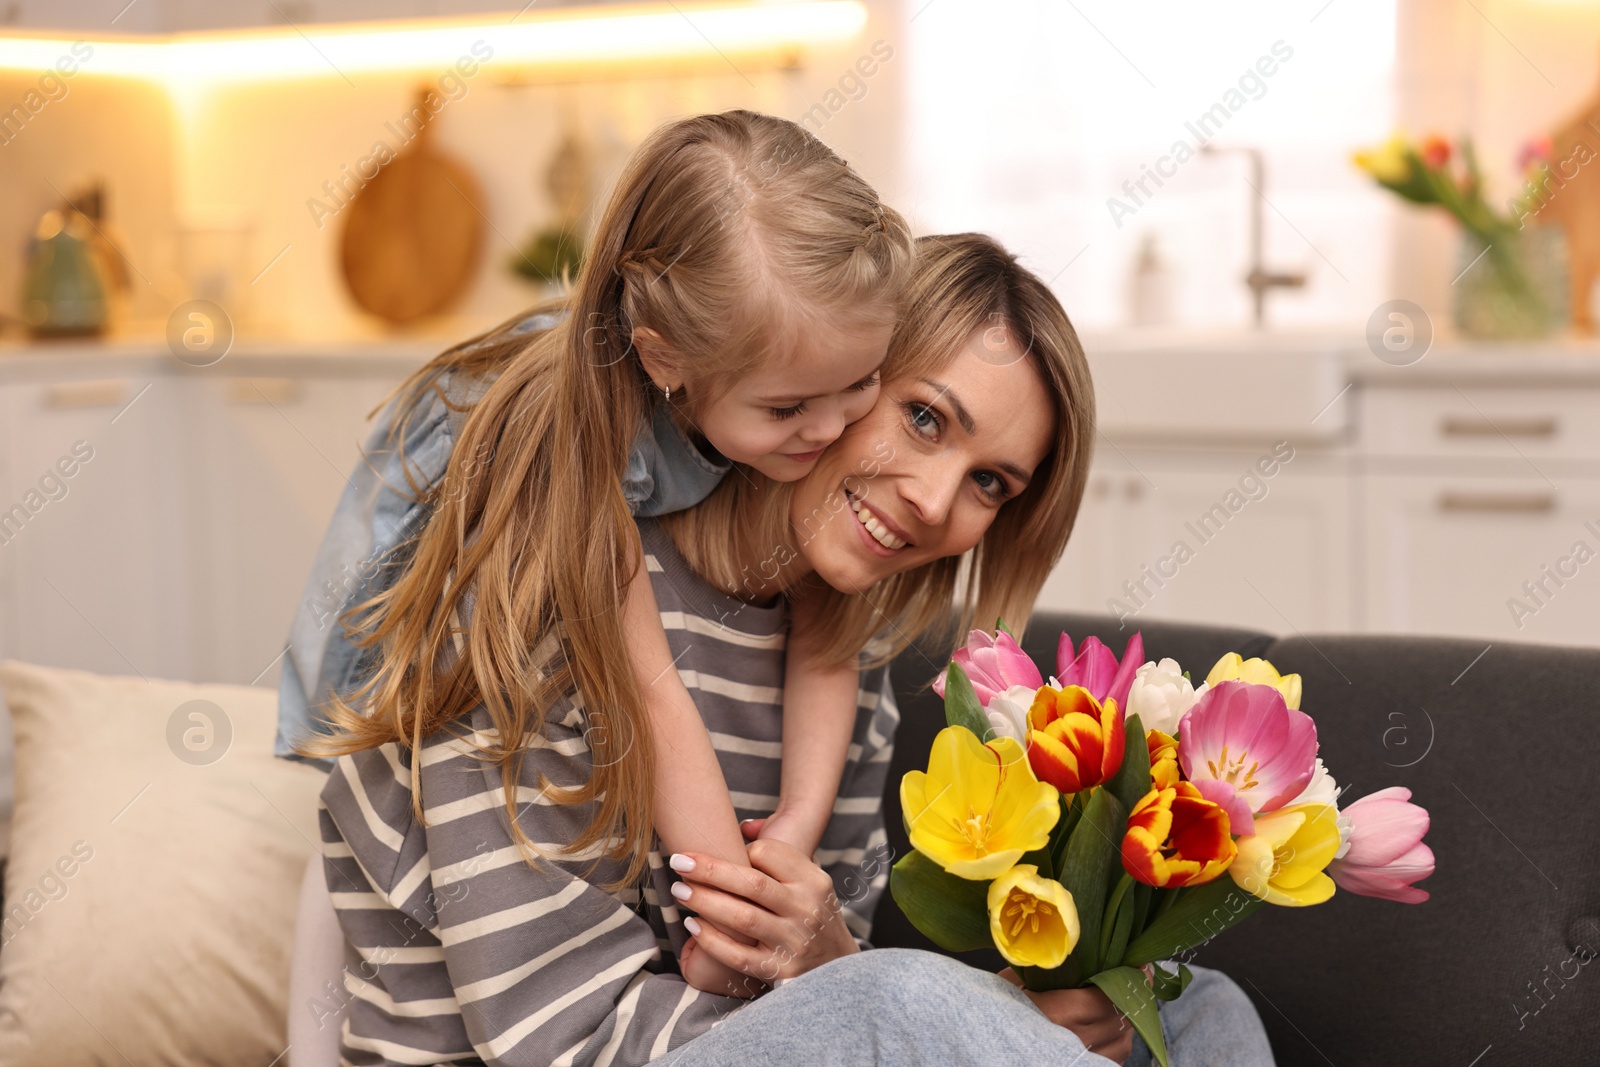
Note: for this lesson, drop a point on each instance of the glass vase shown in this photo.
(1514, 288)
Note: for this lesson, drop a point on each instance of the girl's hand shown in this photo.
(1088, 1013)
(804, 833)
(783, 901)
(708, 975)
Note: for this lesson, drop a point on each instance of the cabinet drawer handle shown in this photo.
(1516, 503)
(105, 393)
(263, 391)
(1478, 426)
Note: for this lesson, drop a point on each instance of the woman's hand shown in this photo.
(783, 901)
(1088, 1013)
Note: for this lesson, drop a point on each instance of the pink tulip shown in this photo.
(993, 663)
(1096, 669)
(1385, 853)
(1249, 745)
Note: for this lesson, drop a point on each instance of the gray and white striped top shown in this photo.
(458, 950)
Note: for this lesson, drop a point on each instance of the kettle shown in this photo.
(63, 290)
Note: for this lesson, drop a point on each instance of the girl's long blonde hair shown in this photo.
(962, 283)
(724, 234)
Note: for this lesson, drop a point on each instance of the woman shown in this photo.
(473, 946)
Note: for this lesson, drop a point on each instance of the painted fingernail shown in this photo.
(679, 862)
(692, 925)
(681, 890)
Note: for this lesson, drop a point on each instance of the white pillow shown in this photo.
(156, 854)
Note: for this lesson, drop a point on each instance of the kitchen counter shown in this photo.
(54, 361)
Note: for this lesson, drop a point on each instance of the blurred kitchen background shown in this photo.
(226, 231)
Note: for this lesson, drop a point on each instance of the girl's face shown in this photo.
(779, 418)
(923, 475)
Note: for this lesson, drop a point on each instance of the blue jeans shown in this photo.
(905, 1006)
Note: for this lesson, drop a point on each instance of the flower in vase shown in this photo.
(1389, 162)
(978, 807)
(1074, 741)
(1033, 920)
(1435, 152)
(1176, 837)
(1283, 861)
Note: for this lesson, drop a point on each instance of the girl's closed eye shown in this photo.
(789, 412)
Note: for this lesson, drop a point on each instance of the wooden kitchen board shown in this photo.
(1572, 200)
(413, 233)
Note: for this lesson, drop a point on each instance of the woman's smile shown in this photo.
(877, 532)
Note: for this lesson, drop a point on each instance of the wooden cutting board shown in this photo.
(1572, 200)
(413, 234)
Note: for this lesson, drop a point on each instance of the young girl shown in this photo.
(739, 297)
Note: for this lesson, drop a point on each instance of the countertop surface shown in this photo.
(1343, 354)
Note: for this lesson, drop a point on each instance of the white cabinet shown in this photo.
(273, 454)
(1509, 557)
(163, 522)
(1205, 536)
(94, 532)
(1481, 511)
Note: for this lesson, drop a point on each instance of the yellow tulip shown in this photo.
(978, 807)
(1387, 162)
(1033, 920)
(1283, 863)
(1234, 667)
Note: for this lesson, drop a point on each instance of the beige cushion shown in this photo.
(155, 866)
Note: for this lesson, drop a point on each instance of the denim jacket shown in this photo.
(365, 547)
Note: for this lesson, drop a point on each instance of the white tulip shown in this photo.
(1008, 712)
(1161, 695)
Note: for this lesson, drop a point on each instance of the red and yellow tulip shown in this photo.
(1163, 759)
(1074, 740)
(1176, 837)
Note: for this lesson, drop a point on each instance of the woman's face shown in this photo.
(923, 475)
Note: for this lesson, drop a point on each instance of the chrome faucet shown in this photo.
(1259, 280)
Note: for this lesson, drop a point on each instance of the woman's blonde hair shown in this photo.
(962, 284)
(725, 234)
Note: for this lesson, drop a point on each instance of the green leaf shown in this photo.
(1001, 627)
(1200, 914)
(961, 707)
(1128, 990)
(1142, 897)
(953, 912)
(1040, 980)
(1071, 812)
(1086, 870)
(1114, 937)
(1040, 858)
(1132, 780)
(1169, 986)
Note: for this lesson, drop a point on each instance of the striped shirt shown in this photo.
(458, 950)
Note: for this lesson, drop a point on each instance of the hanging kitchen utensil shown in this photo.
(413, 233)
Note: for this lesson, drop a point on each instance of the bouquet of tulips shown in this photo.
(1092, 827)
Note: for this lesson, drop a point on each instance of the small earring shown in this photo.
(666, 392)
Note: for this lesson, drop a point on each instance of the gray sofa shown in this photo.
(1500, 746)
